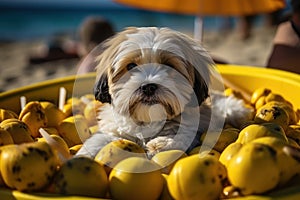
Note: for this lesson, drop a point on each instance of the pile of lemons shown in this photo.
(252, 159)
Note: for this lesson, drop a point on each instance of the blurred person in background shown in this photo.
(285, 54)
(93, 31)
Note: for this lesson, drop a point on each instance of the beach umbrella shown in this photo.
(201, 8)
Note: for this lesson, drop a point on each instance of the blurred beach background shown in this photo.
(26, 27)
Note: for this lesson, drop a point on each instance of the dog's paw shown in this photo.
(158, 144)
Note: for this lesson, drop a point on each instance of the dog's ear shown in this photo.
(200, 88)
(101, 89)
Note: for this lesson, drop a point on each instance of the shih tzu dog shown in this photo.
(161, 90)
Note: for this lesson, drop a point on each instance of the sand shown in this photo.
(15, 70)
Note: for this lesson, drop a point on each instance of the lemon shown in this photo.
(7, 114)
(18, 130)
(53, 113)
(74, 130)
(136, 178)
(5, 137)
(254, 169)
(60, 146)
(167, 159)
(81, 176)
(229, 152)
(196, 177)
(254, 131)
(272, 113)
(219, 141)
(90, 112)
(259, 92)
(293, 132)
(165, 194)
(118, 150)
(288, 166)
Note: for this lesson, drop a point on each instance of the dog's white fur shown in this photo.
(183, 106)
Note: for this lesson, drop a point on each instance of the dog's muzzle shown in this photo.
(149, 89)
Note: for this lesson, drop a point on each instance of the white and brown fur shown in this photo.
(160, 89)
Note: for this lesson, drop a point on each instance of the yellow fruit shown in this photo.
(53, 113)
(293, 131)
(274, 97)
(33, 114)
(254, 169)
(67, 110)
(29, 166)
(165, 194)
(94, 129)
(260, 102)
(74, 149)
(18, 130)
(196, 177)
(272, 113)
(231, 192)
(229, 152)
(90, 112)
(77, 105)
(74, 130)
(204, 150)
(274, 142)
(5, 137)
(167, 159)
(219, 141)
(87, 98)
(287, 165)
(211, 152)
(254, 131)
(195, 150)
(7, 114)
(136, 178)
(60, 146)
(259, 92)
(51, 130)
(118, 150)
(81, 176)
(288, 108)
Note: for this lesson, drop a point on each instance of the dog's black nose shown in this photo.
(149, 89)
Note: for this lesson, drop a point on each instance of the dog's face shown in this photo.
(151, 74)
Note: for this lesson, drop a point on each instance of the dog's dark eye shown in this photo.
(131, 66)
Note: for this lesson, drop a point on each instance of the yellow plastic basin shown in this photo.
(246, 77)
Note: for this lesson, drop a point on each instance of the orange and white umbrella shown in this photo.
(201, 8)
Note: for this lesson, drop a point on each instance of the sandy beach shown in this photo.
(15, 70)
